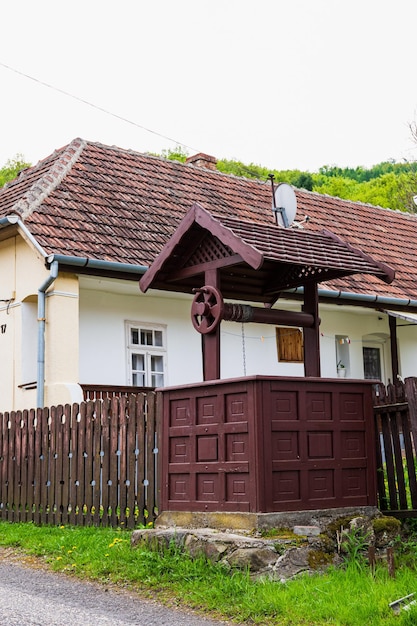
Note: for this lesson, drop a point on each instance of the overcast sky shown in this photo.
(282, 83)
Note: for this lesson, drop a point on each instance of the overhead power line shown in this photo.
(98, 108)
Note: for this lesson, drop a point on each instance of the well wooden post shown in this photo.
(311, 335)
(210, 342)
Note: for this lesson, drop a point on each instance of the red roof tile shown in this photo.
(106, 203)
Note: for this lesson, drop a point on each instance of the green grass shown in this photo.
(348, 597)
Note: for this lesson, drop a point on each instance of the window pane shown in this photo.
(157, 380)
(372, 363)
(157, 363)
(158, 338)
(134, 335)
(145, 337)
(138, 362)
(138, 380)
(157, 371)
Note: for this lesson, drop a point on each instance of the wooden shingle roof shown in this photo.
(105, 203)
(255, 261)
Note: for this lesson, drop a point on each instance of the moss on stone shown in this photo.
(339, 523)
(317, 559)
(386, 524)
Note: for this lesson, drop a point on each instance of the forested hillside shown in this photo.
(388, 184)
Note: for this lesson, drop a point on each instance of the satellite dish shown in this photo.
(284, 204)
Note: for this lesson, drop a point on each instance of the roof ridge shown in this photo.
(164, 159)
(42, 187)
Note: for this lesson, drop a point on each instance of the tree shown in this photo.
(11, 169)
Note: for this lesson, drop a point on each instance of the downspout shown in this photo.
(40, 402)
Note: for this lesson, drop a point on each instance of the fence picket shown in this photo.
(131, 447)
(73, 486)
(113, 462)
(150, 455)
(105, 463)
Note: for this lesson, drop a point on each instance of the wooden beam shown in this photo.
(211, 341)
(312, 334)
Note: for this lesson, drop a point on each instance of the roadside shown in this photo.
(31, 594)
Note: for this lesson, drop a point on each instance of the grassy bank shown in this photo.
(348, 597)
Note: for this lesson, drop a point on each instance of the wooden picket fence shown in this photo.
(89, 464)
(395, 412)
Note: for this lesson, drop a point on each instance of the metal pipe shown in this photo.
(40, 379)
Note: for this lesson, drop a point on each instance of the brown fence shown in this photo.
(87, 464)
(394, 411)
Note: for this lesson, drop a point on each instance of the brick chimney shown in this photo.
(203, 160)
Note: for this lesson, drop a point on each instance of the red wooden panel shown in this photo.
(238, 488)
(351, 407)
(286, 486)
(237, 447)
(236, 407)
(318, 406)
(207, 410)
(285, 445)
(207, 448)
(321, 484)
(180, 412)
(208, 487)
(352, 445)
(320, 445)
(179, 487)
(285, 406)
(179, 450)
(354, 482)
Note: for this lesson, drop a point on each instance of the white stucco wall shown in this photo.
(103, 352)
(103, 360)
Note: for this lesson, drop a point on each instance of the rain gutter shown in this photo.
(12, 220)
(97, 264)
(378, 301)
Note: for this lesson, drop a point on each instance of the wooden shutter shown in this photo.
(290, 345)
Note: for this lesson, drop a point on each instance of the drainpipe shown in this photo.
(41, 333)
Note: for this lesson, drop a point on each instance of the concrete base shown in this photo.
(259, 521)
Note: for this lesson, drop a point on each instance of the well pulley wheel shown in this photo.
(207, 309)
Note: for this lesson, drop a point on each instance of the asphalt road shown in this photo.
(30, 597)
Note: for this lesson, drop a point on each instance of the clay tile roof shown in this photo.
(106, 203)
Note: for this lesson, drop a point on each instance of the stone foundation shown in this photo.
(277, 546)
(260, 521)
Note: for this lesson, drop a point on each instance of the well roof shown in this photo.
(255, 261)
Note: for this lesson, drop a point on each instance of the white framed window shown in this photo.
(146, 348)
